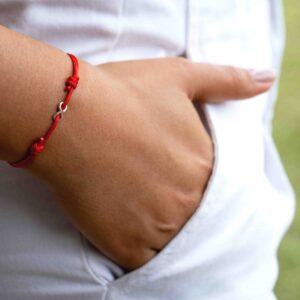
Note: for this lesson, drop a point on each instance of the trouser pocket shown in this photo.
(112, 275)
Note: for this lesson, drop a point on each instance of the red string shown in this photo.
(38, 146)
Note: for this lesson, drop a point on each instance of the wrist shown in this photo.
(55, 160)
(28, 106)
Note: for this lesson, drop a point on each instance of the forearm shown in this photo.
(31, 85)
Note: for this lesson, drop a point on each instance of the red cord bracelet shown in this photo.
(38, 146)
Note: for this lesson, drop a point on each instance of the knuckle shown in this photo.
(209, 159)
(189, 201)
(170, 228)
(207, 153)
(181, 65)
(207, 164)
(204, 163)
(188, 197)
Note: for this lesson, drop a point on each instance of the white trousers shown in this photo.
(227, 250)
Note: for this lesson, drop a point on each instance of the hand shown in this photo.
(131, 159)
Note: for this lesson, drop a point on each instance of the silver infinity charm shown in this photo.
(60, 111)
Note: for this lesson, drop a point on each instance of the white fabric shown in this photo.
(227, 250)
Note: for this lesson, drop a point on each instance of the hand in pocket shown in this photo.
(140, 157)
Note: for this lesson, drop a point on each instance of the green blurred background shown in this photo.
(287, 137)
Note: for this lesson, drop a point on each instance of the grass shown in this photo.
(287, 137)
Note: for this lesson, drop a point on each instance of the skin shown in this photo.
(131, 158)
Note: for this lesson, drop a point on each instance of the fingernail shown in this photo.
(263, 76)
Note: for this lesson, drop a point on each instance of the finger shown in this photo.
(216, 83)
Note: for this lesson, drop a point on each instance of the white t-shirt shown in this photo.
(227, 250)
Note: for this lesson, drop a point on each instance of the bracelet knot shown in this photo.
(72, 82)
(37, 147)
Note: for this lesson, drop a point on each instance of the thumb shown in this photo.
(216, 83)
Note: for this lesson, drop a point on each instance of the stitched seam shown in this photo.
(119, 31)
(100, 280)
